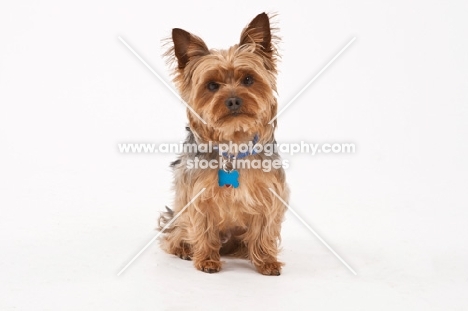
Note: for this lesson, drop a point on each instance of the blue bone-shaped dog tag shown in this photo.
(228, 178)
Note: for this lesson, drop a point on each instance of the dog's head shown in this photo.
(232, 90)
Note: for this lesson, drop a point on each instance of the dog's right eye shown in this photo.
(213, 86)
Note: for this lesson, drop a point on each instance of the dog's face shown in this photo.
(232, 90)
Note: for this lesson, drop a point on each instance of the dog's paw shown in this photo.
(208, 266)
(270, 268)
(184, 256)
(183, 252)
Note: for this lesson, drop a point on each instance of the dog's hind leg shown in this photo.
(175, 236)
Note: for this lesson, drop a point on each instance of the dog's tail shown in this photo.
(164, 220)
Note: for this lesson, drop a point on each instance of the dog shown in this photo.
(231, 94)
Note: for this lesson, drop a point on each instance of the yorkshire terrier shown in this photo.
(232, 92)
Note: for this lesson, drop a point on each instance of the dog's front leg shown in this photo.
(262, 240)
(204, 238)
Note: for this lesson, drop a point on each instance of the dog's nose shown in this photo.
(233, 103)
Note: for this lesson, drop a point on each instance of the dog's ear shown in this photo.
(258, 33)
(187, 46)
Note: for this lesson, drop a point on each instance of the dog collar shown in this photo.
(241, 155)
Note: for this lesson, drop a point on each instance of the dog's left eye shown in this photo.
(248, 81)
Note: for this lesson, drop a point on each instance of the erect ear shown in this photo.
(187, 46)
(258, 33)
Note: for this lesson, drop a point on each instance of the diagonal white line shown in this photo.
(315, 233)
(160, 232)
(161, 79)
(311, 81)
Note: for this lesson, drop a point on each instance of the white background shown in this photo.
(74, 210)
